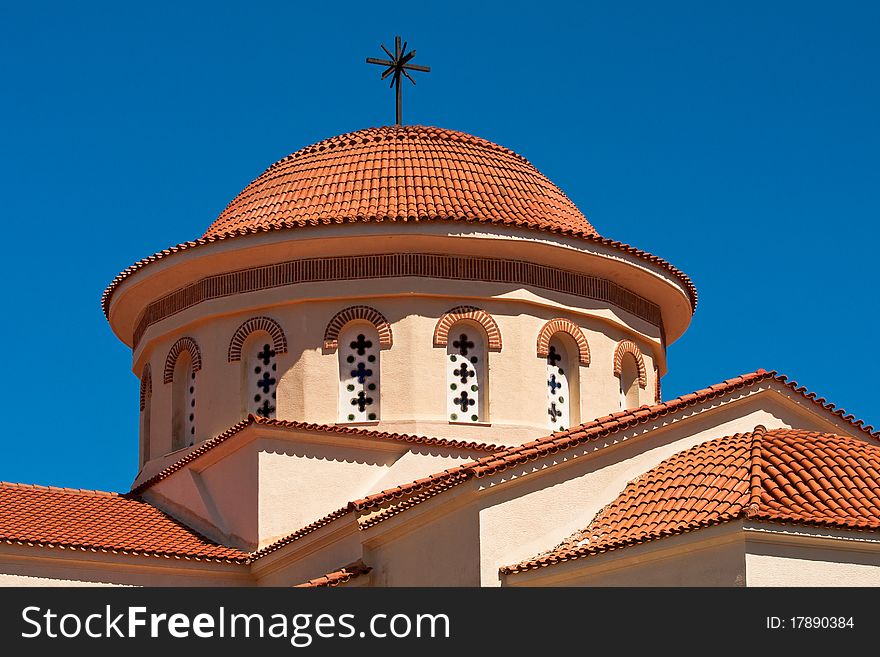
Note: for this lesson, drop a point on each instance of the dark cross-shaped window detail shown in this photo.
(362, 401)
(362, 372)
(464, 373)
(266, 355)
(266, 383)
(463, 401)
(463, 344)
(554, 412)
(361, 344)
(553, 384)
(553, 358)
(266, 409)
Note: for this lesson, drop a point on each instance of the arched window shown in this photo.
(563, 400)
(183, 416)
(146, 411)
(359, 373)
(629, 382)
(563, 346)
(629, 365)
(260, 373)
(466, 374)
(183, 361)
(257, 343)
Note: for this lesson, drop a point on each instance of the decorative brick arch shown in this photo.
(146, 385)
(270, 326)
(562, 325)
(184, 344)
(629, 347)
(353, 313)
(481, 317)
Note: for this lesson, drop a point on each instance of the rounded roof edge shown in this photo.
(128, 272)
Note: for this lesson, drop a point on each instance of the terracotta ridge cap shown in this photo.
(756, 471)
(338, 576)
(392, 132)
(62, 489)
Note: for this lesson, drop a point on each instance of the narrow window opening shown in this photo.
(559, 399)
(359, 374)
(183, 417)
(466, 392)
(629, 382)
(261, 378)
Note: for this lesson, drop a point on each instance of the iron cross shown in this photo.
(398, 64)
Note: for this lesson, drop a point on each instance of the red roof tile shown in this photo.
(337, 577)
(400, 174)
(781, 476)
(116, 531)
(623, 419)
(99, 521)
(426, 487)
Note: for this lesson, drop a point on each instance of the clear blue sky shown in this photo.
(738, 140)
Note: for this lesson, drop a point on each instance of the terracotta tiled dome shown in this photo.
(401, 173)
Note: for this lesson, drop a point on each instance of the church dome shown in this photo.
(401, 173)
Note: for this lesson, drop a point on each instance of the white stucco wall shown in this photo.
(265, 483)
(712, 556)
(220, 501)
(529, 509)
(520, 520)
(413, 378)
(444, 552)
(796, 556)
(414, 389)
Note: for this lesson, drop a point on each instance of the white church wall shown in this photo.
(420, 462)
(221, 501)
(315, 554)
(802, 556)
(442, 552)
(413, 371)
(267, 482)
(539, 511)
(712, 556)
(300, 482)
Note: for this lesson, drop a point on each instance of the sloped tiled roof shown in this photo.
(114, 530)
(338, 577)
(632, 417)
(780, 476)
(600, 427)
(390, 502)
(99, 521)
